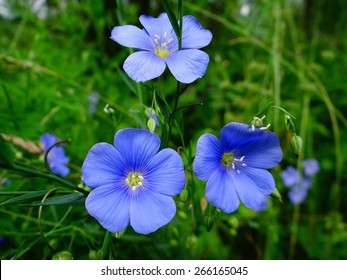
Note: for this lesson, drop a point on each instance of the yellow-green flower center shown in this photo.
(134, 180)
(229, 161)
(161, 45)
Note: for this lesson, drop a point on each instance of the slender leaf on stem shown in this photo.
(172, 18)
(25, 198)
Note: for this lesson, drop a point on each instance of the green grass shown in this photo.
(284, 52)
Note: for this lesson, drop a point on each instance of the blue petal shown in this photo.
(103, 165)
(233, 135)
(263, 152)
(137, 147)
(150, 211)
(48, 140)
(194, 36)
(187, 65)
(253, 185)
(132, 37)
(143, 66)
(220, 191)
(165, 174)
(161, 27)
(297, 195)
(58, 155)
(208, 156)
(59, 169)
(110, 205)
(261, 149)
(290, 176)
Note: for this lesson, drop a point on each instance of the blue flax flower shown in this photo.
(311, 167)
(158, 46)
(290, 176)
(132, 182)
(234, 166)
(298, 183)
(298, 192)
(56, 157)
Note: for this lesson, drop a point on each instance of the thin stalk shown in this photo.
(276, 63)
(296, 213)
(34, 172)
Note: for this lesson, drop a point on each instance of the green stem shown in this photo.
(34, 172)
(105, 246)
(277, 63)
(296, 214)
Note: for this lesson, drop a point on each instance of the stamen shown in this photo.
(229, 161)
(258, 123)
(161, 44)
(134, 180)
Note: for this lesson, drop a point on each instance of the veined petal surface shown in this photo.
(132, 37)
(110, 205)
(208, 156)
(137, 147)
(253, 185)
(103, 165)
(165, 173)
(143, 66)
(194, 36)
(220, 191)
(187, 65)
(150, 211)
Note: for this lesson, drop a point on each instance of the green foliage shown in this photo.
(283, 54)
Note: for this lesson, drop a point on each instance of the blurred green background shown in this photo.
(55, 54)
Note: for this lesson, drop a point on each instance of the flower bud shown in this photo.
(296, 144)
(184, 195)
(151, 124)
(276, 194)
(63, 255)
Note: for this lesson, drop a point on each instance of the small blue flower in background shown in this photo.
(158, 46)
(132, 182)
(311, 167)
(298, 184)
(290, 176)
(93, 101)
(234, 166)
(56, 157)
(298, 192)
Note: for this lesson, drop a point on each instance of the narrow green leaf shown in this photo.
(5, 154)
(25, 198)
(64, 199)
(172, 18)
(276, 194)
(264, 109)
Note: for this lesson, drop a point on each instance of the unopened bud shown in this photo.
(184, 195)
(151, 124)
(276, 194)
(296, 144)
(63, 255)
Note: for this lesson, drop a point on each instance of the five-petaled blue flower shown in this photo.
(299, 183)
(132, 182)
(234, 166)
(158, 46)
(56, 157)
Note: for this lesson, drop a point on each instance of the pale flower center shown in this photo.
(162, 44)
(229, 161)
(134, 180)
